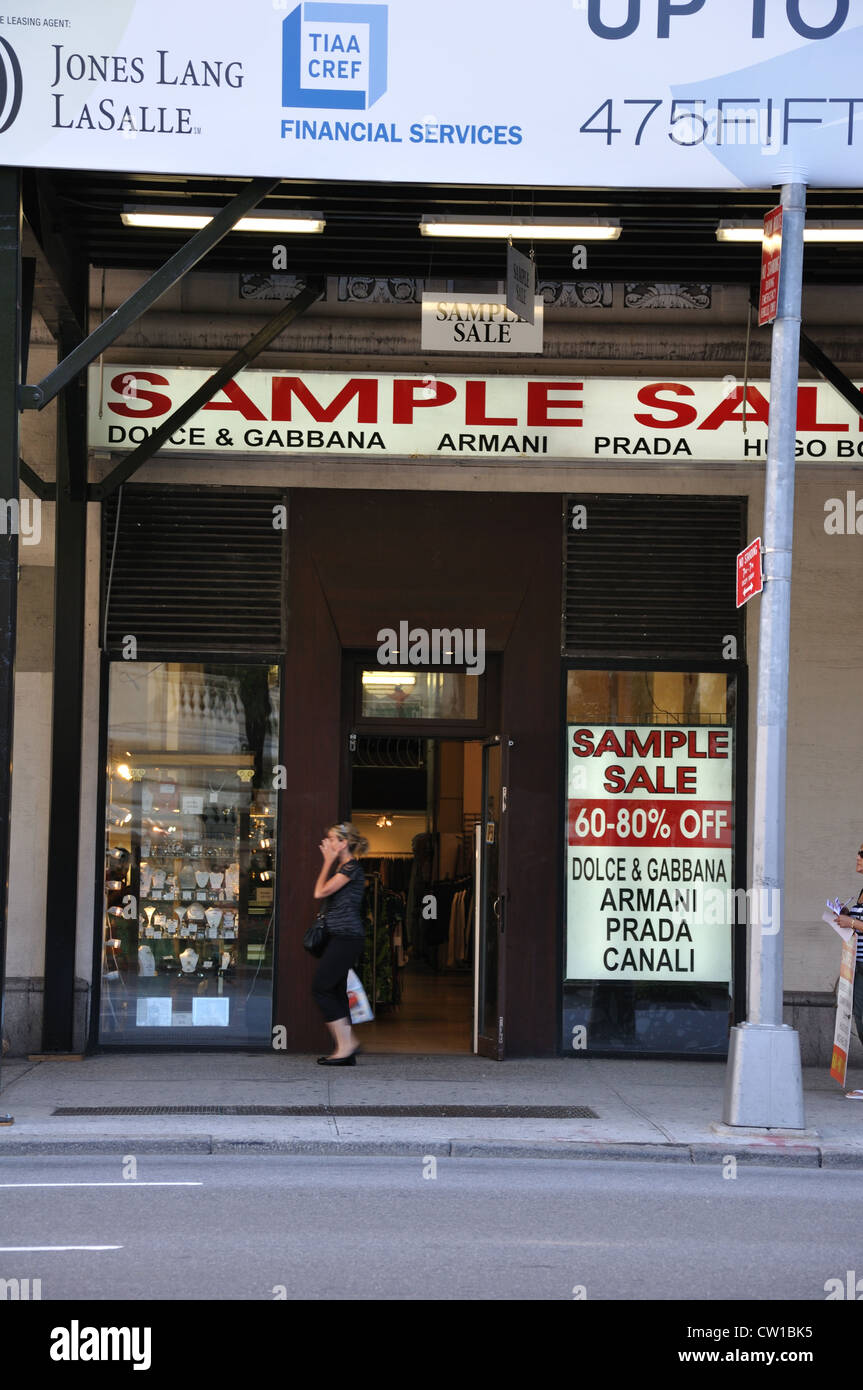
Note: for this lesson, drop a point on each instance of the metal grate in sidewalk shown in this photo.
(442, 1112)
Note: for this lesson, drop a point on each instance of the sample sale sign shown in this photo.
(477, 416)
(649, 845)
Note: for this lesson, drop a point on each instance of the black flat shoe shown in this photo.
(338, 1061)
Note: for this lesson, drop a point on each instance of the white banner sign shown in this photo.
(479, 326)
(648, 857)
(511, 418)
(626, 93)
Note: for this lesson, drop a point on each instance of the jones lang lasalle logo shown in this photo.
(334, 55)
(11, 85)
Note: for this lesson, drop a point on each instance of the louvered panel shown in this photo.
(192, 569)
(652, 577)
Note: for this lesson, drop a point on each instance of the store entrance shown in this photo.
(418, 801)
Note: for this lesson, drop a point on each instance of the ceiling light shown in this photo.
(269, 222)
(523, 228)
(392, 678)
(813, 231)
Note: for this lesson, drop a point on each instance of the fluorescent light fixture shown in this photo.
(269, 222)
(391, 678)
(834, 232)
(522, 228)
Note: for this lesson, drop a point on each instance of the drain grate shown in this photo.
(442, 1112)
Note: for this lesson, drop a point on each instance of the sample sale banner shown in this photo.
(480, 416)
(649, 846)
(611, 93)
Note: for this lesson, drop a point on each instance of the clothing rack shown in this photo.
(380, 893)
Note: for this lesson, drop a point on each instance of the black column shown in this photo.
(10, 350)
(69, 579)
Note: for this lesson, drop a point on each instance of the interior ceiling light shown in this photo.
(191, 221)
(391, 678)
(813, 231)
(522, 228)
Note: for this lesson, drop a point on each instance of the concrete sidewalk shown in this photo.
(659, 1111)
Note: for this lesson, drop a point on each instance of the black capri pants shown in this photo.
(330, 985)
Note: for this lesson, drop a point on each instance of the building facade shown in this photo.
(484, 607)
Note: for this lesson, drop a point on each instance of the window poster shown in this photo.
(649, 852)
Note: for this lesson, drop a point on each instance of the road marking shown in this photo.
(27, 1250)
(130, 1183)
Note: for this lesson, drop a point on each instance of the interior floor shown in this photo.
(433, 1016)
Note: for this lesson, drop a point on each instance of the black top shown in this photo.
(343, 907)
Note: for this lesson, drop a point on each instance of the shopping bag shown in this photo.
(358, 1000)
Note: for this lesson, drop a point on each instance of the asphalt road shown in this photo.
(238, 1227)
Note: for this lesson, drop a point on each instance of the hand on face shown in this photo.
(330, 848)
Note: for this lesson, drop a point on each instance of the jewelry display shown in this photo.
(189, 960)
(195, 857)
(146, 961)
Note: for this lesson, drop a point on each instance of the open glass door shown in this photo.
(491, 904)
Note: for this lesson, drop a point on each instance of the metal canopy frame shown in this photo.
(97, 492)
(37, 397)
(830, 372)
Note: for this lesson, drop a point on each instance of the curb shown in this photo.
(754, 1155)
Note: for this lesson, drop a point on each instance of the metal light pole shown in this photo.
(764, 1084)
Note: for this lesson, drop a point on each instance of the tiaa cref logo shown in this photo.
(334, 55)
(11, 85)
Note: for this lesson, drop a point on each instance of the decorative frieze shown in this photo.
(576, 294)
(649, 294)
(380, 289)
(271, 285)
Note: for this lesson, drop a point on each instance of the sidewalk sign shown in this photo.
(844, 1001)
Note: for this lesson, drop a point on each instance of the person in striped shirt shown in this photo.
(852, 916)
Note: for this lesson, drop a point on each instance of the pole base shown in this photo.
(763, 1080)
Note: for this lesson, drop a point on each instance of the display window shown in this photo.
(190, 852)
(651, 904)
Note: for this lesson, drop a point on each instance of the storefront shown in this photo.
(531, 703)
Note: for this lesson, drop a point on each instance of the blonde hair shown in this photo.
(357, 844)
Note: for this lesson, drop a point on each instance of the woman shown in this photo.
(846, 919)
(341, 883)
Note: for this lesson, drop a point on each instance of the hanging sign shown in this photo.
(477, 415)
(669, 93)
(750, 580)
(648, 852)
(520, 284)
(479, 326)
(771, 263)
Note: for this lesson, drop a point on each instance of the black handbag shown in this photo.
(315, 938)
